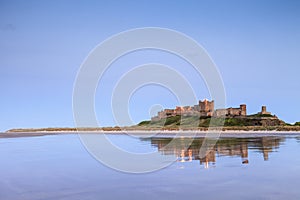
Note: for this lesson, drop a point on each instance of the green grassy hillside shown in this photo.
(194, 121)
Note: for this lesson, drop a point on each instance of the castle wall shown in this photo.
(234, 111)
(241, 111)
(220, 112)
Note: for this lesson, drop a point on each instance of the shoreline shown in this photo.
(155, 133)
(167, 128)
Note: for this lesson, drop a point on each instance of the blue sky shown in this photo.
(255, 45)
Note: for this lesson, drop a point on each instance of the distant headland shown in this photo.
(204, 115)
(199, 117)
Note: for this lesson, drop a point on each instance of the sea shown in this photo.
(238, 166)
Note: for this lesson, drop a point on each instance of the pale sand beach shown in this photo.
(164, 133)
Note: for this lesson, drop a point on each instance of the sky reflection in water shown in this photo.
(59, 167)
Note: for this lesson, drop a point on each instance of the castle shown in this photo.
(205, 108)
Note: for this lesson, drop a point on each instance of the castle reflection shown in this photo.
(186, 149)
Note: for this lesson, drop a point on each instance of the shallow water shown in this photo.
(59, 167)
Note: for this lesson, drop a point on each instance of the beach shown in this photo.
(156, 133)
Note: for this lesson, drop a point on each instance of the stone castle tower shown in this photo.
(243, 109)
(206, 107)
(264, 111)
